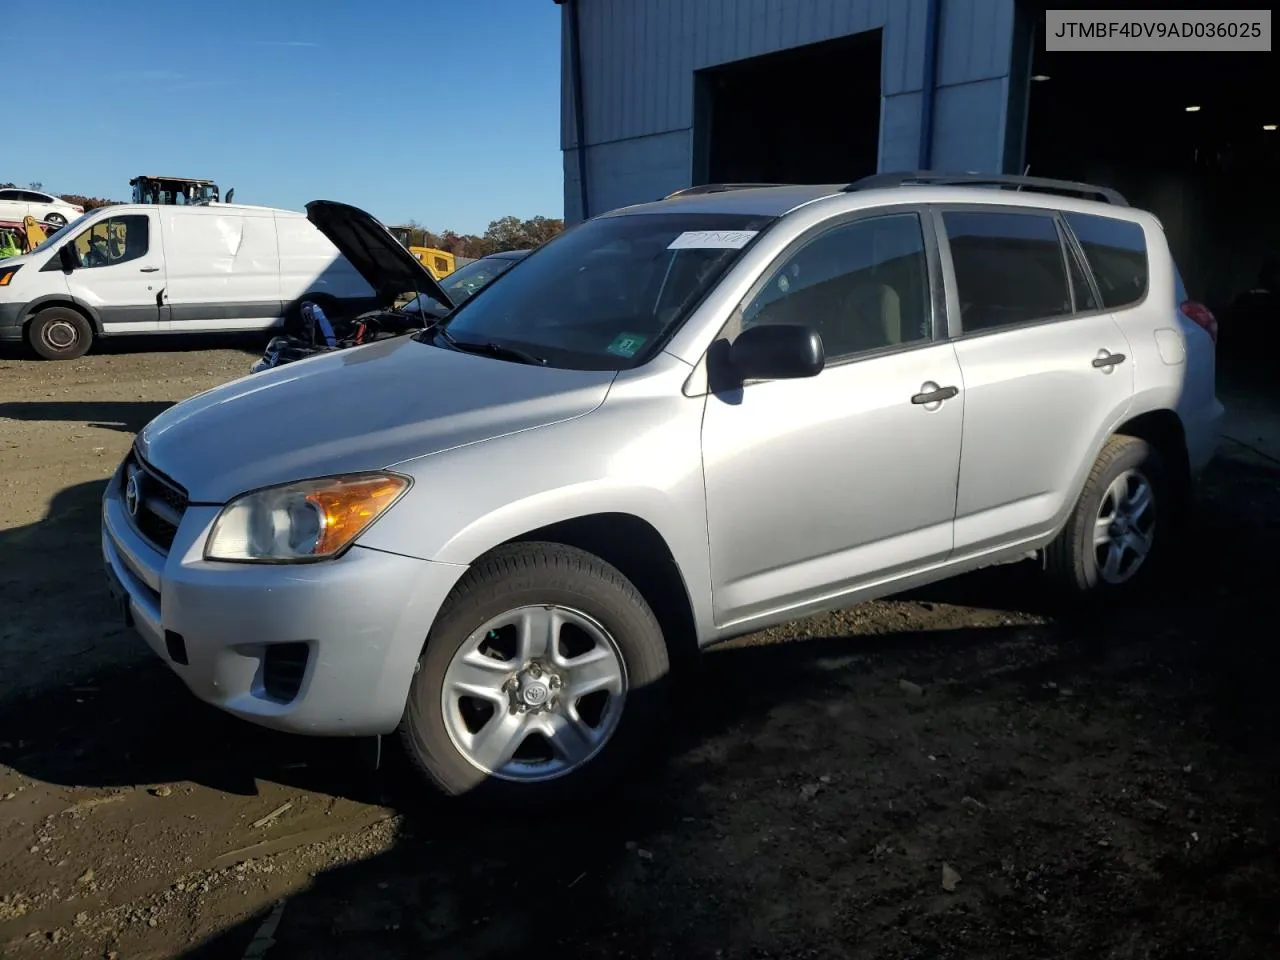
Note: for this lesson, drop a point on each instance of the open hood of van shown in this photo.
(389, 268)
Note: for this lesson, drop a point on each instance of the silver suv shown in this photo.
(677, 423)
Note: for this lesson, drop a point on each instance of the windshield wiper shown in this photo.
(492, 349)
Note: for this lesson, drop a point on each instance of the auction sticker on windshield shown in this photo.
(712, 240)
(626, 345)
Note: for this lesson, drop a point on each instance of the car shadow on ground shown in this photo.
(655, 865)
(126, 416)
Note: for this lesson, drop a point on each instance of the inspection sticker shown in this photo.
(626, 345)
(712, 240)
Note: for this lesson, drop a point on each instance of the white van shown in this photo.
(133, 268)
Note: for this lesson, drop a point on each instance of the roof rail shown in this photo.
(933, 178)
(717, 188)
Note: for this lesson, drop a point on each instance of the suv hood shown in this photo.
(375, 253)
(365, 408)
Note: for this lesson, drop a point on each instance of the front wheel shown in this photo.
(543, 671)
(56, 220)
(1119, 521)
(59, 333)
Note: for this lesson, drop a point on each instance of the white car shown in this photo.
(16, 203)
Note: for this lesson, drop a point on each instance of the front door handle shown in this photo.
(1105, 361)
(148, 269)
(932, 393)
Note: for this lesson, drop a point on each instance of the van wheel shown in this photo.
(543, 674)
(1119, 523)
(60, 333)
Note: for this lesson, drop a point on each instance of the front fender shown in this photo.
(643, 459)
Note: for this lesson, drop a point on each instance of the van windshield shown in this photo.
(59, 235)
(607, 293)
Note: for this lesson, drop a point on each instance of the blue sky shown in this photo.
(441, 111)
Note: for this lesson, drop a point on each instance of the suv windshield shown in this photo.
(603, 295)
(463, 283)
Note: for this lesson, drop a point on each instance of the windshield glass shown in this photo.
(463, 283)
(603, 295)
(60, 234)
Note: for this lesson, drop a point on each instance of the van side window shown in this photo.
(113, 241)
(1117, 255)
(862, 286)
(1009, 268)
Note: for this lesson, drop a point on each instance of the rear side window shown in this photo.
(1117, 255)
(1009, 268)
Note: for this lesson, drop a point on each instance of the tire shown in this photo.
(1076, 561)
(60, 333)
(56, 220)
(590, 594)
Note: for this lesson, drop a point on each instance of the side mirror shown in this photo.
(231, 194)
(777, 352)
(67, 257)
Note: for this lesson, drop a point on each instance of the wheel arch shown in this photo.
(640, 552)
(61, 300)
(1162, 428)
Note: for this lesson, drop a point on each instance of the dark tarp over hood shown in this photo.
(373, 250)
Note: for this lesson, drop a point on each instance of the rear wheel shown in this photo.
(59, 333)
(1110, 541)
(543, 671)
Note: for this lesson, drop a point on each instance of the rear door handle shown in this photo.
(148, 269)
(1108, 360)
(934, 394)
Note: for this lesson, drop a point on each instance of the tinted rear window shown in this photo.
(1117, 255)
(1009, 268)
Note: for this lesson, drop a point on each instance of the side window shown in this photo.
(1117, 255)
(441, 264)
(113, 241)
(862, 286)
(10, 195)
(1009, 268)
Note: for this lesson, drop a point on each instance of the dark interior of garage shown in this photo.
(1190, 136)
(806, 115)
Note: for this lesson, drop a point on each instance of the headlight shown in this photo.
(297, 522)
(8, 273)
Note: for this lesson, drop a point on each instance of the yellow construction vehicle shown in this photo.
(439, 263)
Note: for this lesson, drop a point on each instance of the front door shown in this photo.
(1047, 373)
(121, 273)
(818, 487)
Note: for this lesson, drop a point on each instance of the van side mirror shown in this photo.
(67, 257)
(777, 352)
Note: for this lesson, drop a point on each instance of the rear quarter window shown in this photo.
(1116, 251)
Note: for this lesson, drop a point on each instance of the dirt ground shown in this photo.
(969, 771)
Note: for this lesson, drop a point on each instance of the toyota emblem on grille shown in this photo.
(131, 495)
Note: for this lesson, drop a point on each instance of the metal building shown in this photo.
(662, 94)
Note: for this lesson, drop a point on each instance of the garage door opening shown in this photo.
(806, 115)
(1191, 137)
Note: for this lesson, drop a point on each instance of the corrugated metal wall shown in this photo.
(639, 59)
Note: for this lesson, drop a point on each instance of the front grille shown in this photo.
(160, 503)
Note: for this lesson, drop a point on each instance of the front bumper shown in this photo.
(360, 621)
(11, 315)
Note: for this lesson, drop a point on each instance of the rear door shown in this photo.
(13, 206)
(1047, 372)
(121, 272)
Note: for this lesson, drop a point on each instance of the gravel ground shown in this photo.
(969, 771)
